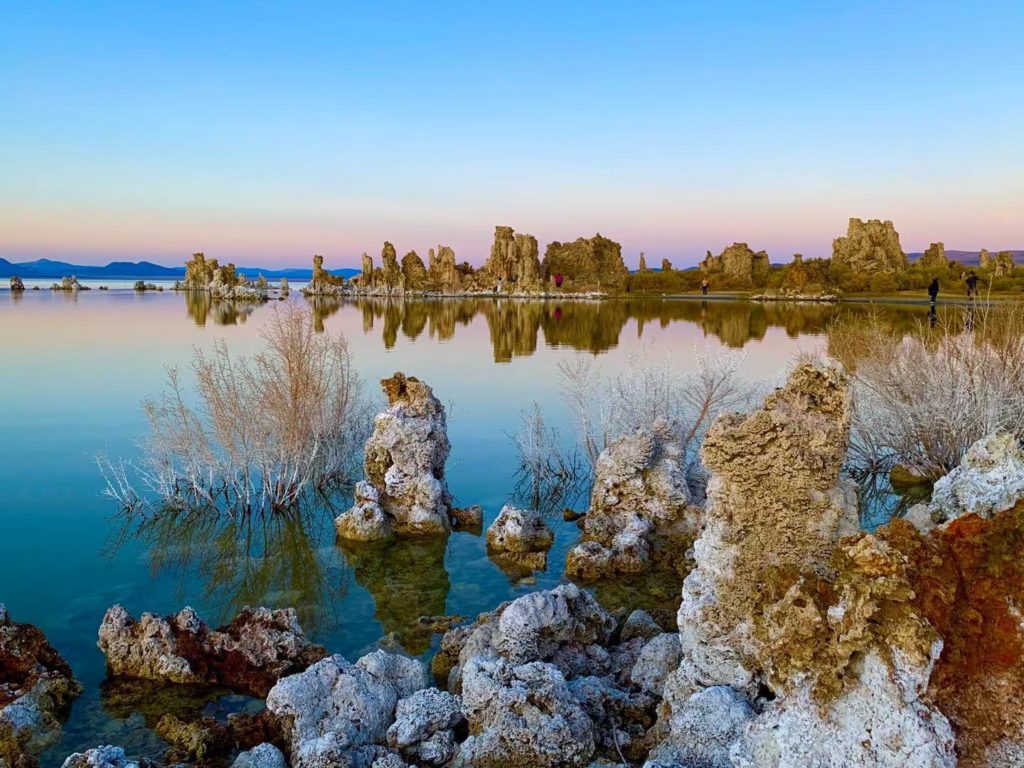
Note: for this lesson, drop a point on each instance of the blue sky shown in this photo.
(264, 133)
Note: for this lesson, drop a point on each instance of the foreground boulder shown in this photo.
(703, 727)
(404, 464)
(565, 626)
(36, 689)
(426, 726)
(776, 506)
(850, 659)
(519, 540)
(338, 713)
(103, 757)
(640, 493)
(522, 716)
(990, 479)
(248, 655)
(260, 756)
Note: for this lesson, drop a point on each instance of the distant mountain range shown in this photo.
(138, 270)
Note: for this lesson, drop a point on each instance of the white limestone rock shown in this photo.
(990, 479)
(640, 490)
(702, 727)
(260, 756)
(520, 537)
(100, 757)
(659, 657)
(879, 722)
(335, 707)
(522, 717)
(424, 727)
(405, 461)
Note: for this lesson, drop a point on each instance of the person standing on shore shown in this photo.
(704, 285)
(972, 284)
(933, 289)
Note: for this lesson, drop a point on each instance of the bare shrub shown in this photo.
(268, 429)
(551, 474)
(651, 390)
(921, 399)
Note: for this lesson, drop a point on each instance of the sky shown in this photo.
(262, 133)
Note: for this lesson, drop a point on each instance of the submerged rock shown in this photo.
(519, 539)
(36, 689)
(640, 492)
(405, 460)
(248, 655)
(990, 479)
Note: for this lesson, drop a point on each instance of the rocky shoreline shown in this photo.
(800, 639)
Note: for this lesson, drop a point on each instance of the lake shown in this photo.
(77, 366)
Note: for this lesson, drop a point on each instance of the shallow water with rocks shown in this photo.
(76, 368)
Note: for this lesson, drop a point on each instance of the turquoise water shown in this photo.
(75, 369)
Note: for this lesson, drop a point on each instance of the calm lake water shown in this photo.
(75, 368)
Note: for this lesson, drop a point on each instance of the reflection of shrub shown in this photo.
(268, 429)
(923, 398)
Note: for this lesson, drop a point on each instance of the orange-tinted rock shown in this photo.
(36, 688)
(968, 579)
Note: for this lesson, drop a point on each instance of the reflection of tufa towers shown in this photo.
(591, 326)
(407, 579)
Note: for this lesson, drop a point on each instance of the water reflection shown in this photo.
(515, 325)
(267, 560)
(408, 581)
(201, 307)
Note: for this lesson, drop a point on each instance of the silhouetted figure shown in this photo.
(558, 280)
(704, 285)
(933, 290)
(972, 284)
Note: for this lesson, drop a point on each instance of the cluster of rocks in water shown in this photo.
(800, 639)
(513, 268)
(220, 282)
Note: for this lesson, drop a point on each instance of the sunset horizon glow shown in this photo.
(263, 135)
